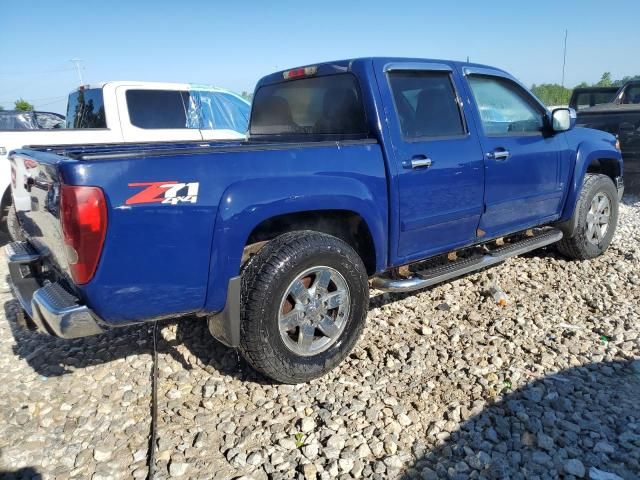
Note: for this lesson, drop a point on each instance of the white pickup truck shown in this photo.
(131, 112)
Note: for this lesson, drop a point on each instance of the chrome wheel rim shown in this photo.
(598, 218)
(314, 311)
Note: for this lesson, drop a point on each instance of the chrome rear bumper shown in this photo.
(51, 308)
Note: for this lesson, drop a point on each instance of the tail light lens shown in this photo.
(83, 214)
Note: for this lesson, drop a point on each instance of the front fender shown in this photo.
(246, 204)
(586, 153)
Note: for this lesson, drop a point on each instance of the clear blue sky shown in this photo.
(233, 44)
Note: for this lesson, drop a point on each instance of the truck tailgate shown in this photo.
(41, 221)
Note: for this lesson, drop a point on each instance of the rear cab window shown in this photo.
(591, 99)
(310, 109)
(86, 109)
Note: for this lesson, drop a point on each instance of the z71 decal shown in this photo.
(171, 192)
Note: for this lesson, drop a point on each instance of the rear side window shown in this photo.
(158, 109)
(86, 109)
(317, 106)
(426, 104)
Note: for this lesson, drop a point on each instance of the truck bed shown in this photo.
(185, 270)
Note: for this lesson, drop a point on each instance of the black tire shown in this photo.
(13, 226)
(578, 246)
(265, 281)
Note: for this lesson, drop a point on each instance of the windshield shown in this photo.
(321, 106)
(48, 121)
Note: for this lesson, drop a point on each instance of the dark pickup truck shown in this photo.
(620, 117)
(399, 173)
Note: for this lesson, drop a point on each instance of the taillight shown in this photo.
(83, 214)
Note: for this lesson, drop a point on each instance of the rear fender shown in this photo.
(246, 204)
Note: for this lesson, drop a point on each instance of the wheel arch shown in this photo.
(590, 158)
(346, 225)
(345, 207)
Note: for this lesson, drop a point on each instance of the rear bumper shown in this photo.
(51, 308)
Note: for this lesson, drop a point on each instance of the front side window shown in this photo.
(504, 107)
(86, 109)
(220, 110)
(321, 106)
(426, 104)
(158, 109)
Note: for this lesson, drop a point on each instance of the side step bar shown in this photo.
(442, 273)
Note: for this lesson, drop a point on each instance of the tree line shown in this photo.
(554, 94)
(22, 105)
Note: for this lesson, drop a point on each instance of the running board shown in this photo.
(448, 271)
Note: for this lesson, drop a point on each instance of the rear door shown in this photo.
(438, 161)
(151, 115)
(526, 168)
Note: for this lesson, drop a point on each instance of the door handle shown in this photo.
(499, 154)
(419, 161)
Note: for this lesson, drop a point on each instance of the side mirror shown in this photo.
(563, 119)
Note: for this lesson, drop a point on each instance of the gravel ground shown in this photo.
(443, 384)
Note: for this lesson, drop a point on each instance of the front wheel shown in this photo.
(597, 217)
(305, 297)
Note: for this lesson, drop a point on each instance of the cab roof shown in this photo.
(342, 66)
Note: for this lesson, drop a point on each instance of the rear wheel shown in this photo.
(597, 211)
(304, 303)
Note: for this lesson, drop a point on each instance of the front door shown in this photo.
(438, 162)
(526, 168)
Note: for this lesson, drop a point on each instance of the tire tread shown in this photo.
(576, 247)
(256, 278)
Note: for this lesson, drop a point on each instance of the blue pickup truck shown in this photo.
(399, 173)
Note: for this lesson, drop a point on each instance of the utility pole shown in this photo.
(564, 57)
(77, 62)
